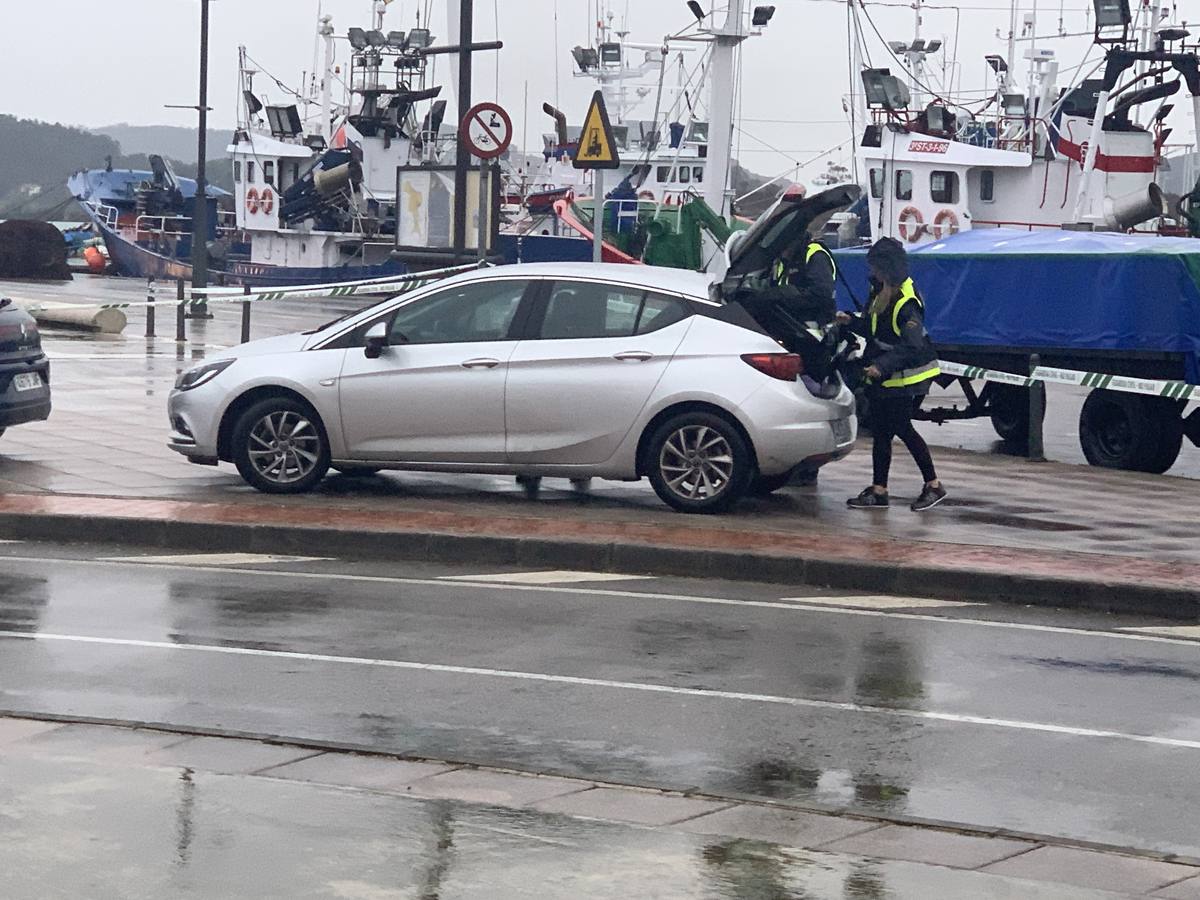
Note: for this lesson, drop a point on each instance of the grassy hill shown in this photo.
(44, 155)
(166, 140)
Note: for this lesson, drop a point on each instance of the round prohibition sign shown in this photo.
(487, 129)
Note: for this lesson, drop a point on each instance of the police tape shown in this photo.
(395, 286)
(1175, 390)
(384, 285)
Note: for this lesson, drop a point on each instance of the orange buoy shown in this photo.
(95, 260)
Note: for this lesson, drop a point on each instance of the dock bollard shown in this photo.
(180, 312)
(246, 315)
(1037, 413)
(150, 307)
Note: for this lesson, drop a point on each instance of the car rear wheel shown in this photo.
(279, 446)
(698, 463)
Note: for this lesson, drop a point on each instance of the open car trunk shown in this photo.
(801, 325)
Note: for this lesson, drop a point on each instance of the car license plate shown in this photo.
(841, 431)
(27, 381)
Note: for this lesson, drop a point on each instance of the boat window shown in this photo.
(904, 182)
(295, 172)
(685, 175)
(876, 183)
(269, 173)
(237, 171)
(249, 171)
(943, 187)
(664, 174)
(697, 174)
(987, 185)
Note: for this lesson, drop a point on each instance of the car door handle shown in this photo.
(481, 363)
(639, 355)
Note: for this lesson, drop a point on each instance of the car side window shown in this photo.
(482, 311)
(659, 312)
(585, 309)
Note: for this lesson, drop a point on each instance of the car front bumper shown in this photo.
(20, 407)
(195, 418)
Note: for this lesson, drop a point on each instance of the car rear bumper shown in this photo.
(807, 431)
(32, 405)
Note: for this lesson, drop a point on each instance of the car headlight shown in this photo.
(193, 378)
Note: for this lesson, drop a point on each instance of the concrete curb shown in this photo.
(1033, 838)
(812, 570)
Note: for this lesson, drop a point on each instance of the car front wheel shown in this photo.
(280, 447)
(698, 463)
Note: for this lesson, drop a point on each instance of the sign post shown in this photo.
(486, 131)
(597, 151)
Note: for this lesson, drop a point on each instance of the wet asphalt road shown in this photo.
(1033, 720)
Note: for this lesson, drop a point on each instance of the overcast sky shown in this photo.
(98, 62)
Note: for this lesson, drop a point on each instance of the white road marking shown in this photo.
(809, 604)
(802, 702)
(1185, 631)
(882, 601)
(559, 576)
(213, 559)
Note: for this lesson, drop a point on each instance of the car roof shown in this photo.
(660, 278)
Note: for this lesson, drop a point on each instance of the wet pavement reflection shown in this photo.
(149, 833)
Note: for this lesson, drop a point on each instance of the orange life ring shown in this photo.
(646, 195)
(918, 224)
(945, 216)
(267, 202)
(252, 200)
(668, 200)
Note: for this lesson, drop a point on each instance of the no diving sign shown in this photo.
(487, 130)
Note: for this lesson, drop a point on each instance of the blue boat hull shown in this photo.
(136, 261)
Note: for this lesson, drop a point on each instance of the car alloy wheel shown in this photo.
(696, 462)
(284, 447)
(699, 463)
(279, 446)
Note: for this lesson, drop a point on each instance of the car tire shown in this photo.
(280, 446)
(698, 463)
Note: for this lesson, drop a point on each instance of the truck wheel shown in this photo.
(1130, 431)
(1009, 409)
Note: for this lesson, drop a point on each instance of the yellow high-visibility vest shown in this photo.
(905, 377)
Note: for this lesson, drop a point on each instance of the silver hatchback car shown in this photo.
(567, 369)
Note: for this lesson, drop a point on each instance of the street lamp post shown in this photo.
(200, 211)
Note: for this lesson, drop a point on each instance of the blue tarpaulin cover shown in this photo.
(1054, 289)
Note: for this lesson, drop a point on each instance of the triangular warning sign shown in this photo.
(597, 148)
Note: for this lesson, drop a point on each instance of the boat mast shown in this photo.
(722, 74)
(326, 32)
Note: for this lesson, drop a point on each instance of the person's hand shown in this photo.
(872, 372)
(844, 318)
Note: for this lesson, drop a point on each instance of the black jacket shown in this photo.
(905, 349)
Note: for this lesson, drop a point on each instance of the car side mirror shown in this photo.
(376, 340)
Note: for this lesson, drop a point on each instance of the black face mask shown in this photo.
(875, 283)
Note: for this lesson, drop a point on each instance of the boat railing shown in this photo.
(145, 224)
(109, 215)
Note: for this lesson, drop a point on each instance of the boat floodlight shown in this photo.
(397, 40)
(697, 10)
(376, 38)
(357, 38)
(762, 15)
(419, 39)
(898, 46)
(610, 53)
(586, 58)
(1014, 104)
(1112, 13)
(1171, 33)
(997, 63)
(884, 89)
(933, 46)
(917, 45)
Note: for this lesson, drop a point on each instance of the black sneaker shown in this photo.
(930, 497)
(868, 499)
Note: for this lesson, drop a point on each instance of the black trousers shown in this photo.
(891, 417)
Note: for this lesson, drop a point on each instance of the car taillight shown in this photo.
(784, 366)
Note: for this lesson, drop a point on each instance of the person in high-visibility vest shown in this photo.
(811, 270)
(901, 365)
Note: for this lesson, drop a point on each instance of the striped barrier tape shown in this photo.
(1175, 390)
(386, 284)
(395, 286)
